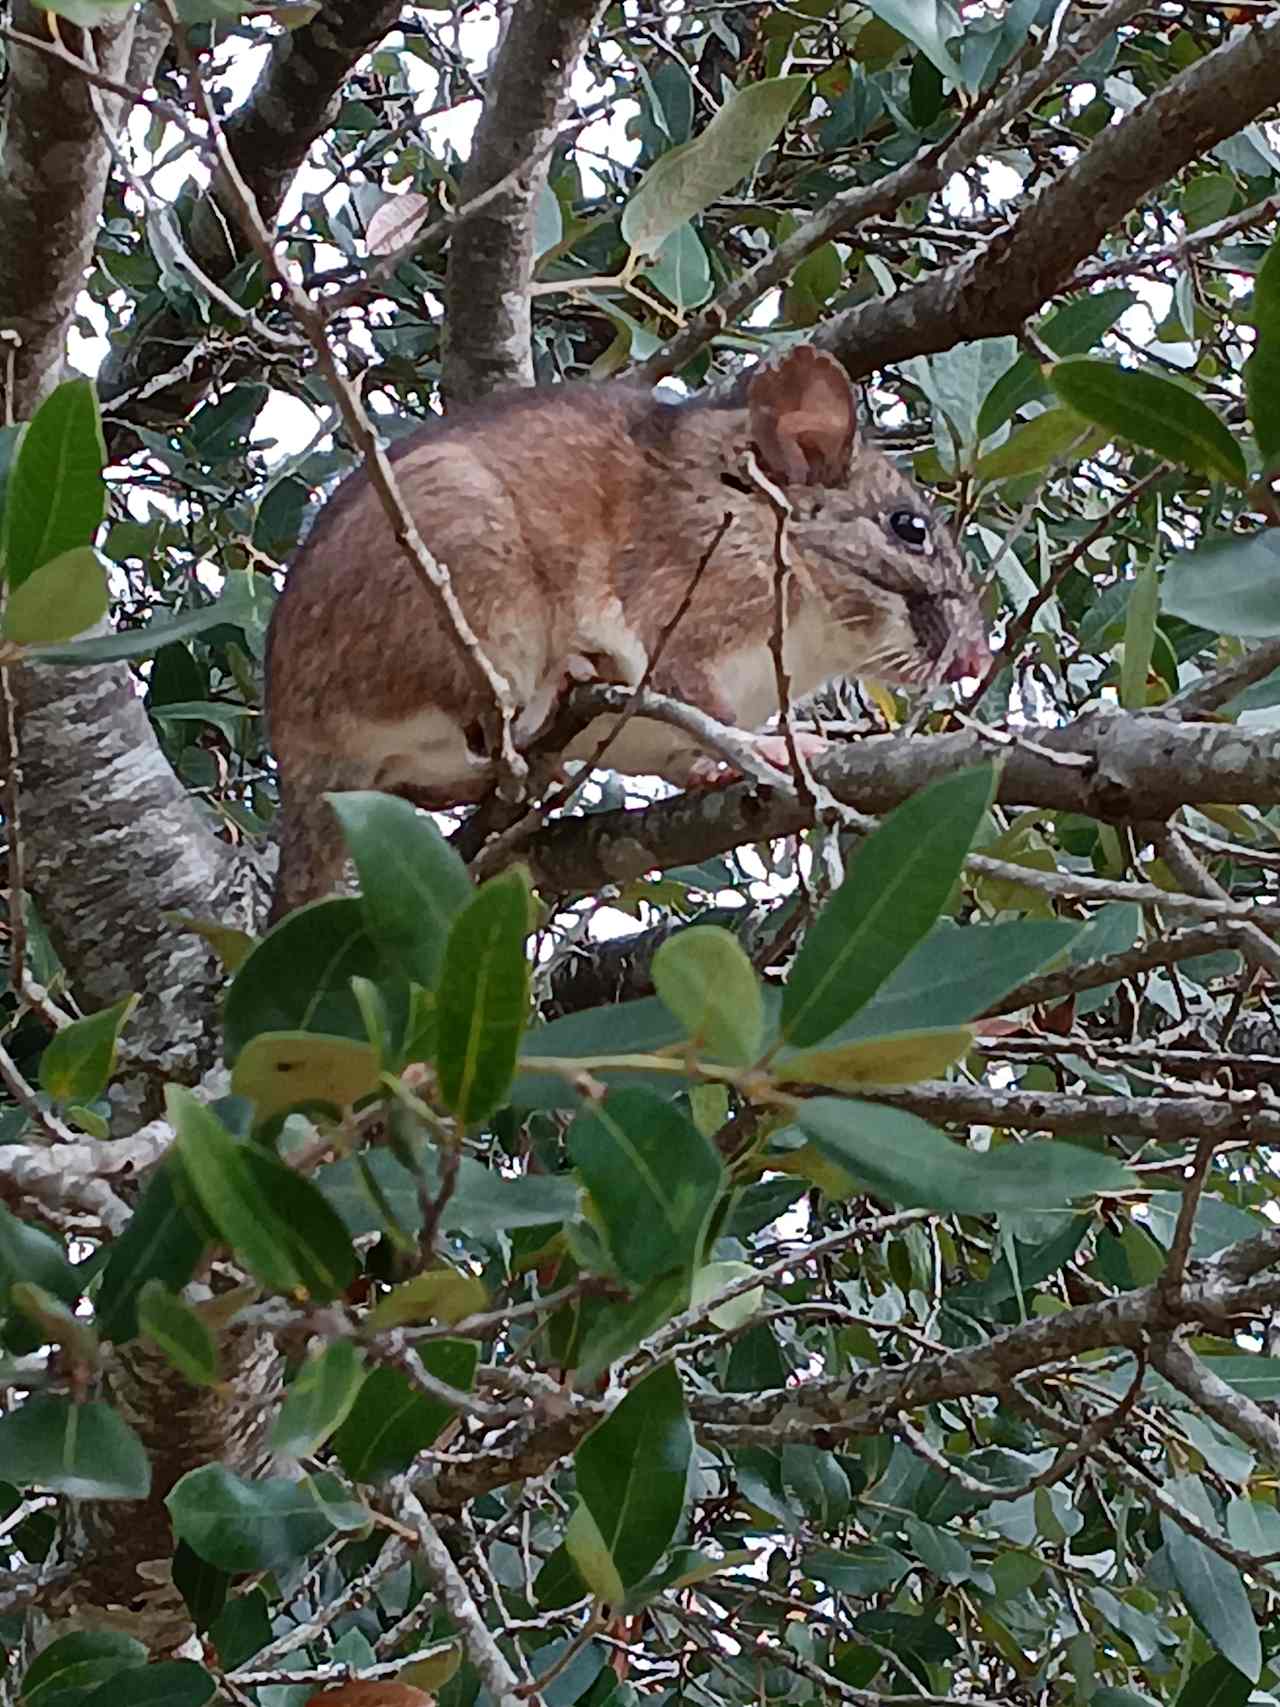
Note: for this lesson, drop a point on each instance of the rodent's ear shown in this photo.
(804, 418)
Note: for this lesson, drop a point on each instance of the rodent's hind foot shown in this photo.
(707, 771)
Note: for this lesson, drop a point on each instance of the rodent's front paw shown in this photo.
(706, 771)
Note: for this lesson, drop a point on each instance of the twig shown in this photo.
(1260, 213)
(1232, 1410)
(1067, 1459)
(715, 737)
(477, 1639)
(1180, 1248)
(1256, 946)
(1020, 626)
(1114, 968)
(1219, 686)
(783, 575)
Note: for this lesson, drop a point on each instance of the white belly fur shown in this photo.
(429, 749)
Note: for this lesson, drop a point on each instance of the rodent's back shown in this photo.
(523, 499)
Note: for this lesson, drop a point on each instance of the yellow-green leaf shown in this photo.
(278, 1070)
(705, 979)
(441, 1295)
(586, 1547)
(78, 1061)
(900, 1060)
(684, 181)
(58, 600)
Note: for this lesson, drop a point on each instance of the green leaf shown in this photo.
(245, 603)
(86, 1451)
(704, 977)
(59, 599)
(1216, 1598)
(684, 181)
(1257, 1377)
(279, 1070)
(239, 1525)
(898, 883)
(1148, 410)
(900, 1158)
(413, 885)
(1231, 586)
(927, 24)
(1216, 1683)
(958, 973)
(79, 1662)
(56, 492)
(633, 1471)
(319, 1399)
(1035, 444)
(589, 1554)
(653, 1178)
(483, 1204)
(860, 1571)
(298, 978)
(1139, 639)
(902, 1060)
(278, 1223)
(30, 1254)
(1070, 332)
(681, 269)
(180, 1332)
(78, 1061)
(483, 998)
(168, 1683)
(1262, 370)
(647, 1025)
(391, 1421)
(161, 1242)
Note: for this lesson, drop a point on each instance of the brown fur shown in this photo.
(572, 521)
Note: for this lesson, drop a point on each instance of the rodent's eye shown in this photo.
(911, 528)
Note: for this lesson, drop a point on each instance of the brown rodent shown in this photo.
(572, 521)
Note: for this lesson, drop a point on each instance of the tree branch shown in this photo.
(1023, 265)
(1112, 767)
(487, 307)
(1166, 1120)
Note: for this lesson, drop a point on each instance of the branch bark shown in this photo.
(1113, 767)
(488, 314)
(55, 165)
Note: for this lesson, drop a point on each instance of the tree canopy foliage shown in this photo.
(789, 1243)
